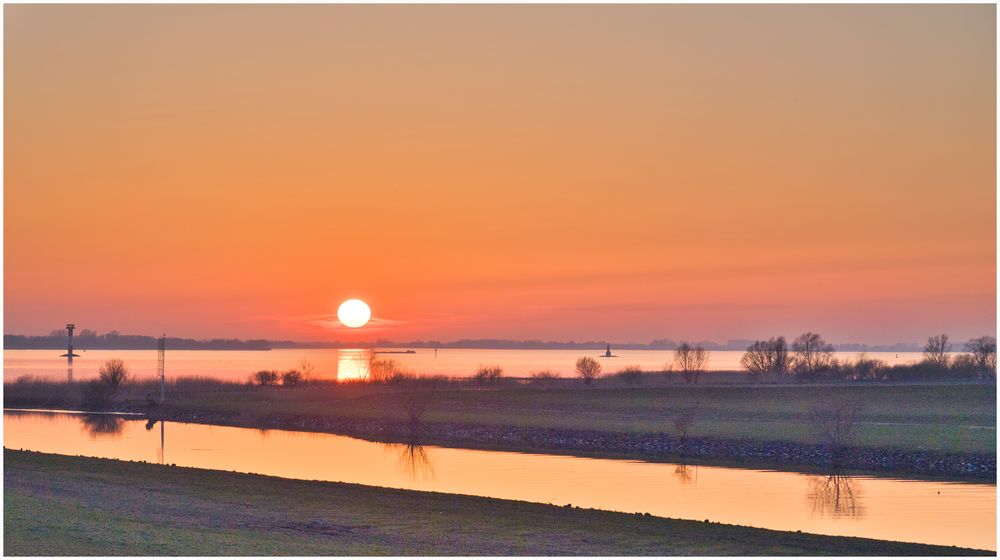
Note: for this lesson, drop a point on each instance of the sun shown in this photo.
(354, 313)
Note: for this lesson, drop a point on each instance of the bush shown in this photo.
(864, 369)
(383, 370)
(488, 374)
(630, 375)
(544, 377)
(683, 420)
(265, 378)
(291, 378)
(101, 392)
(835, 422)
(588, 369)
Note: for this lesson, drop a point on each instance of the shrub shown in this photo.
(588, 369)
(265, 378)
(114, 373)
(101, 392)
(383, 370)
(863, 369)
(291, 378)
(544, 377)
(488, 374)
(630, 375)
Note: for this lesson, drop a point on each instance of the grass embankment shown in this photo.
(937, 417)
(57, 505)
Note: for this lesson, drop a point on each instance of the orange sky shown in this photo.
(556, 172)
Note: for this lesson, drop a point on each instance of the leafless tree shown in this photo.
(265, 378)
(766, 356)
(836, 496)
(683, 421)
(810, 355)
(834, 422)
(416, 396)
(936, 350)
(984, 353)
(308, 369)
(691, 361)
(588, 369)
(865, 369)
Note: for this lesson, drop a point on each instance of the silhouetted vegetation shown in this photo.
(291, 378)
(936, 351)
(102, 424)
(544, 378)
(488, 374)
(630, 375)
(101, 392)
(588, 369)
(683, 420)
(834, 422)
(766, 356)
(265, 378)
(691, 361)
(308, 369)
(811, 356)
(984, 354)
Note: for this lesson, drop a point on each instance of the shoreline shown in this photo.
(659, 447)
(43, 492)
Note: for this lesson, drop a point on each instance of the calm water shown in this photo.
(345, 364)
(882, 508)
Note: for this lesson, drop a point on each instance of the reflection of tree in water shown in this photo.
(686, 473)
(413, 460)
(102, 424)
(836, 496)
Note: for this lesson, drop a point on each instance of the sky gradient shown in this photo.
(557, 172)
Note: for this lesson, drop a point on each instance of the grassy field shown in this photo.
(940, 417)
(56, 505)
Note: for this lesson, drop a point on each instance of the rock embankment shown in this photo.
(979, 466)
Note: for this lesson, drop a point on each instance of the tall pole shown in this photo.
(160, 365)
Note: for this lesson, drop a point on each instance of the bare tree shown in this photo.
(691, 361)
(984, 353)
(307, 368)
(810, 355)
(835, 422)
(683, 420)
(588, 369)
(936, 350)
(766, 356)
(415, 398)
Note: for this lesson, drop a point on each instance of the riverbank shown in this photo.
(655, 446)
(913, 430)
(62, 505)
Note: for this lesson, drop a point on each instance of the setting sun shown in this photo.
(354, 313)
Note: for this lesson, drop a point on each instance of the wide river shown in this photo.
(346, 364)
(931, 512)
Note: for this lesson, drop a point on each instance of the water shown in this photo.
(882, 508)
(346, 364)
